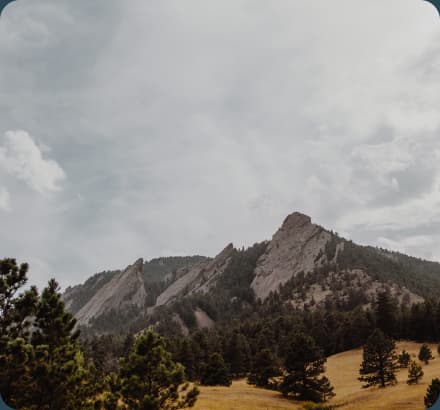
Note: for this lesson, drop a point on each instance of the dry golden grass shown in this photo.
(342, 370)
(241, 396)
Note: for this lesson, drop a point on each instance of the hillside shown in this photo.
(308, 266)
(342, 370)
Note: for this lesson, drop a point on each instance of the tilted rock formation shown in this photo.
(199, 278)
(296, 247)
(125, 289)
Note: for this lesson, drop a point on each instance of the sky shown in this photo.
(142, 129)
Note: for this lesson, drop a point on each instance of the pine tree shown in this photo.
(60, 371)
(303, 364)
(15, 309)
(415, 373)
(385, 311)
(404, 359)
(432, 393)
(264, 368)
(379, 361)
(425, 354)
(216, 372)
(16, 354)
(237, 354)
(151, 380)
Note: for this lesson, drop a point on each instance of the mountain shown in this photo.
(303, 266)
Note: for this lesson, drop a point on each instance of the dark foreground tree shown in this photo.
(379, 361)
(425, 354)
(265, 367)
(433, 393)
(304, 363)
(415, 373)
(216, 372)
(43, 369)
(150, 380)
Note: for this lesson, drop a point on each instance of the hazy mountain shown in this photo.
(303, 264)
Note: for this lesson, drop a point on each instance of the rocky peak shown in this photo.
(295, 221)
(295, 247)
(125, 290)
(199, 278)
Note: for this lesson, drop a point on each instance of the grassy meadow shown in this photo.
(342, 369)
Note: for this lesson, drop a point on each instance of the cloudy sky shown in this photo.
(136, 128)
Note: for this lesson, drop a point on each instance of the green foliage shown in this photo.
(264, 368)
(379, 361)
(151, 380)
(386, 312)
(415, 373)
(404, 359)
(425, 354)
(432, 393)
(216, 372)
(303, 364)
(43, 369)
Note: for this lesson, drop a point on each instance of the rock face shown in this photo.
(125, 289)
(296, 247)
(199, 278)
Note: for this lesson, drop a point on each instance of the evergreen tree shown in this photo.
(60, 371)
(379, 361)
(404, 359)
(432, 393)
(150, 380)
(386, 312)
(237, 354)
(415, 373)
(303, 364)
(265, 367)
(425, 354)
(16, 354)
(216, 372)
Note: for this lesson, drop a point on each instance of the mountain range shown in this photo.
(303, 266)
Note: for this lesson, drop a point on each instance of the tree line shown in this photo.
(45, 364)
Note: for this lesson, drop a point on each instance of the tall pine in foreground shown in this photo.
(41, 368)
(379, 363)
(60, 371)
(150, 380)
(304, 363)
(16, 354)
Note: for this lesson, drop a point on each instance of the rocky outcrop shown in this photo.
(298, 246)
(199, 278)
(125, 290)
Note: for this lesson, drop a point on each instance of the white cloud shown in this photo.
(21, 157)
(5, 199)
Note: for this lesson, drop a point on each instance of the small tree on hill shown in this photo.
(264, 368)
(303, 364)
(415, 373)
(150, 380)
(433, 393)
(379, 361)
(216, 372)
(425, 354)
(404, 359)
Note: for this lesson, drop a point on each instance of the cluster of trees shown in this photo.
(44, 367)
(381, 363)
(43, 362)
